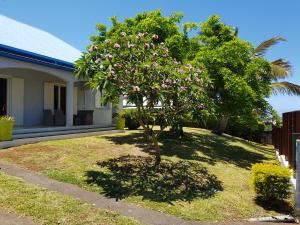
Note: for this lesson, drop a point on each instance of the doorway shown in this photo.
(3, 97)
(60, 98)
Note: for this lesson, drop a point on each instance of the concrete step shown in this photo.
(31, 140)
(43, 132)
(23, 130)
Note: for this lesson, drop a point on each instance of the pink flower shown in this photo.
(107, 41)
(92, 48)
(136, 89)
(145, 34)
(130, 45)
(197, 79)
(123, 34)
(164, 86)
(168, 81)
(188, 79)
(140, 35)
(183, 88)
(189, 66)
(109, 56)
(155, 37)
(117, 65)
(117, 46)
(155, 64)
(98, 60)
(201, 106)
(180, 71)
(147, 45)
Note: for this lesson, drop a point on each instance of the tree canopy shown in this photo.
(241, 82)
(140, 68)
(152, 59)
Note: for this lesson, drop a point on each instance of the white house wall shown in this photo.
(32, 95)
(34, 78)
(86, 101)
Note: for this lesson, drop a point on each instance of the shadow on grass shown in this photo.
(201, 147)
(279, 206)
(170, 181)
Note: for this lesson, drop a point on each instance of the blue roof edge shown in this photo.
(27, 56)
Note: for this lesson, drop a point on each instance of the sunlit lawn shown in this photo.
(228, 158)
(51, 208)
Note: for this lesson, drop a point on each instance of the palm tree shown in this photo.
(280, 69)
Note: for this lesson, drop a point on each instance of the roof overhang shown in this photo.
(26, 56)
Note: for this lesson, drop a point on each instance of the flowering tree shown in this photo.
(139, 67)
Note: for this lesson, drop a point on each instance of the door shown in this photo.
(60, 98)
(3, 97)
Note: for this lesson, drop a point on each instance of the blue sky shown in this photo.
(258, 20)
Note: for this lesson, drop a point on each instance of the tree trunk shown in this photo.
(177, 130)
(157, 150)
(222, 126)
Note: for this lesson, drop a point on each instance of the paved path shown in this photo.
(7, 218)
(141, 214)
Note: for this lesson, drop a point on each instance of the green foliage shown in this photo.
(120, 121)
(247, 127)
(141, 68)
(167, 28)
(270, 181)
(130, 119)
(6, 119)
(138, 176)
(240, 82)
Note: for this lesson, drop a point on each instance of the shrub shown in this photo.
(120, 122)
(7, 119)
(130, 122)
(270, 181)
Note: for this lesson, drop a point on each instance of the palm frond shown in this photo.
(236, 31)
(280, 69)
(264, 46)
(285, 88)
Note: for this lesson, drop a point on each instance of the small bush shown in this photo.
(130, 122)
(270, 181)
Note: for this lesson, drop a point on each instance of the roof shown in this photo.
(28, 39)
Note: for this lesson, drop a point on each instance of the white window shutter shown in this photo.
(98, 99)
(17, 100)
(49, 96)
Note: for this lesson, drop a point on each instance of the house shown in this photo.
(38, 87)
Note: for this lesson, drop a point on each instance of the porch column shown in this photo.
(69, 107)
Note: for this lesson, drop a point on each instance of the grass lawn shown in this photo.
(47, 207)
(226, 157)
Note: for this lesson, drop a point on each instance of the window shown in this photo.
(98, 100)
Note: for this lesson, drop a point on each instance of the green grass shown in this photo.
(47, 207)
(227, 157)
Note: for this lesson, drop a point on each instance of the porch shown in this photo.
(22, 136)
(44, 100)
